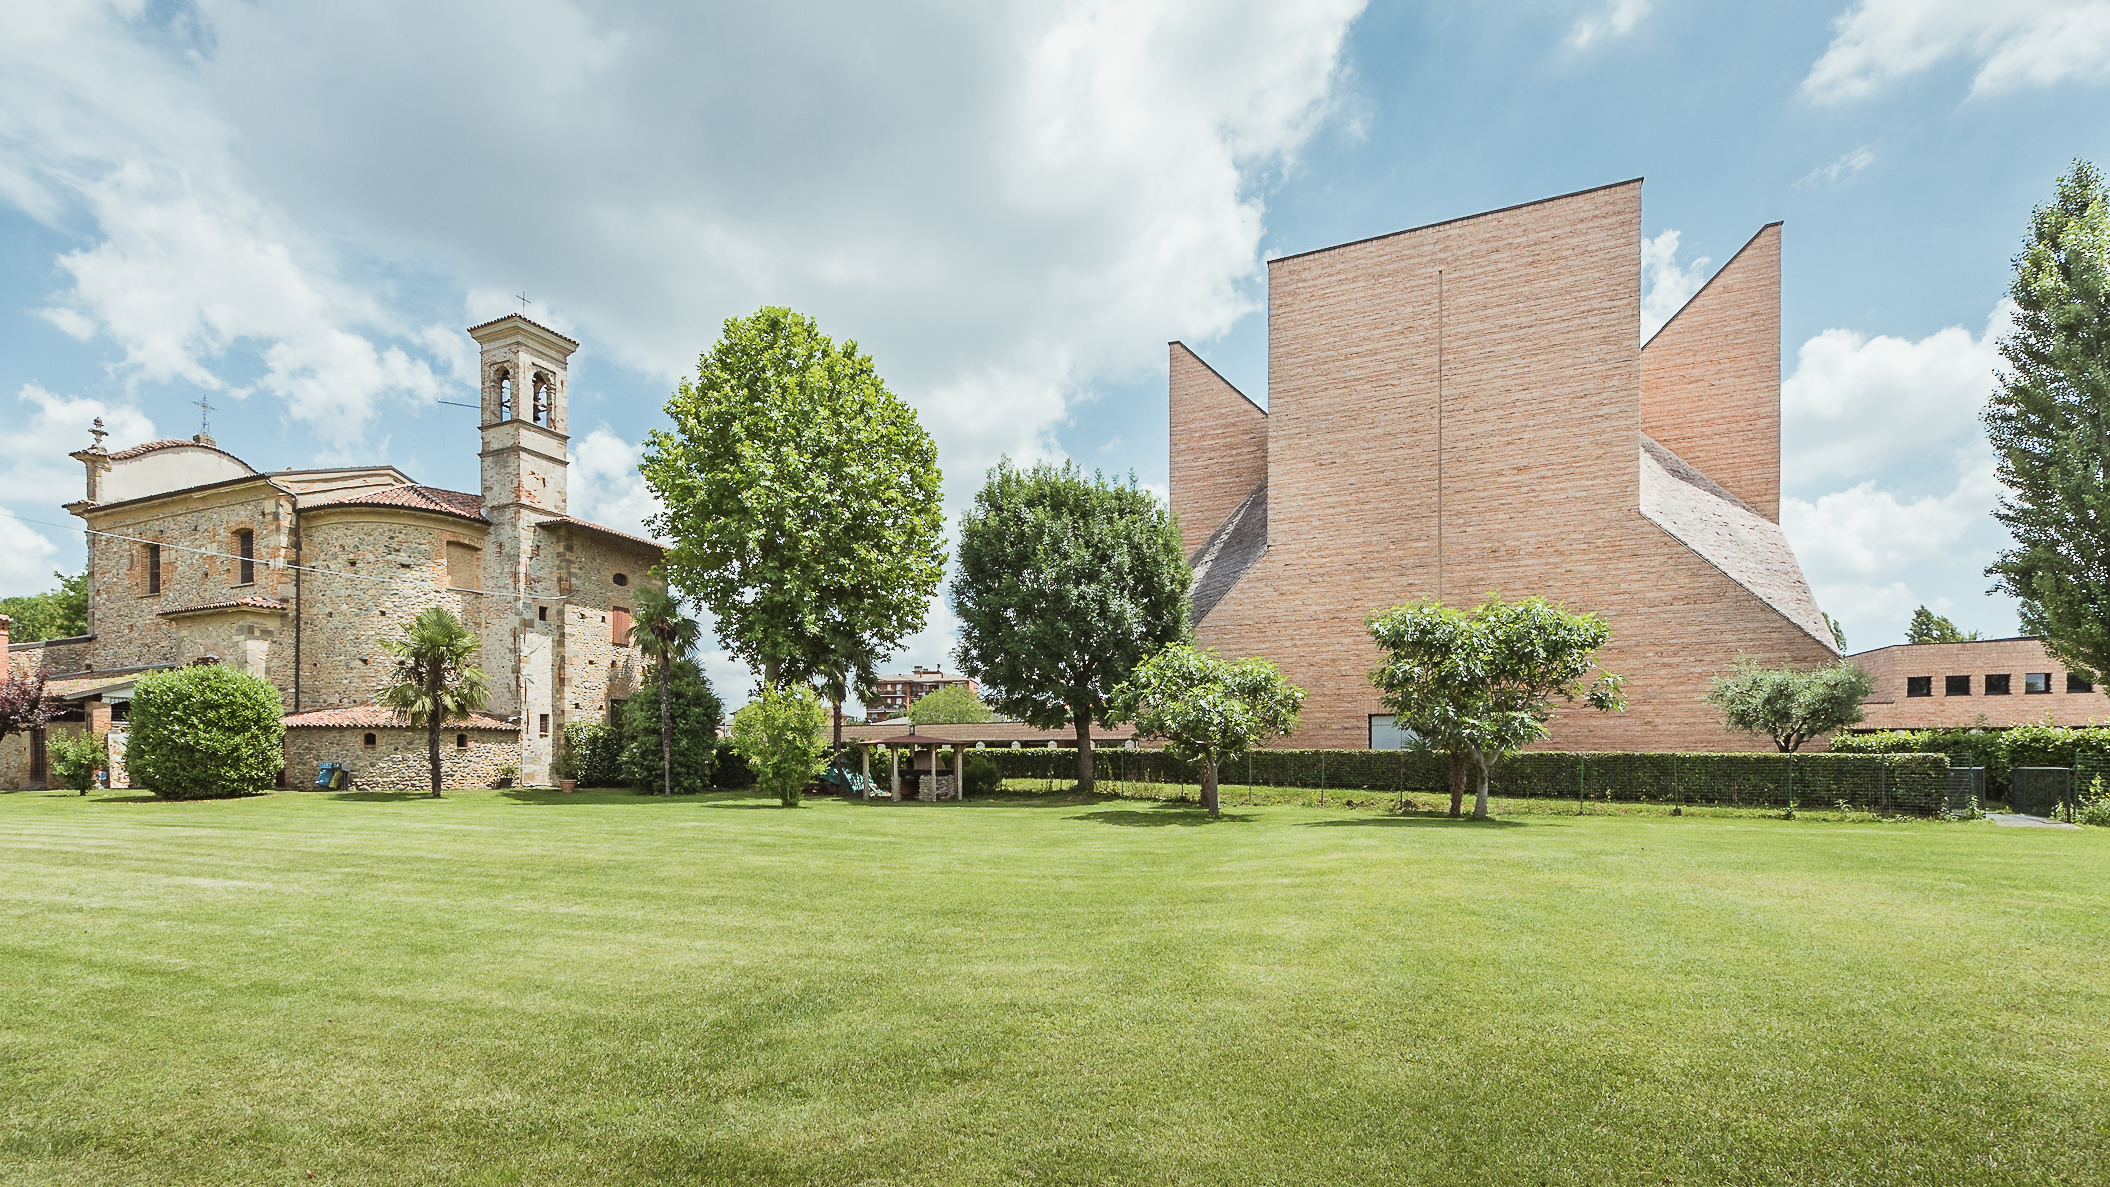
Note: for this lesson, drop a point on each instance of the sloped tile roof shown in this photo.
(413, 497)
(576, 522)
(148, 447)
(77, 683)
(1225, 556)
(1748, 548)
(375, 717)
(249, 603)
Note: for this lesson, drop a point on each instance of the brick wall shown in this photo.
(1222, 452)
(1710, 379)
(1455, 410)
(1891, 708)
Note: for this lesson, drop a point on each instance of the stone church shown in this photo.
(297, 576)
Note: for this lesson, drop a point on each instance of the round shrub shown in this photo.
(202, 732)
(981, 774)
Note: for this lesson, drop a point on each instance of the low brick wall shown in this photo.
(396, 759)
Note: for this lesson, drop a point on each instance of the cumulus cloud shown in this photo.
(1888, 477)
(605, 486)
(2014, 44)
(1844, 165)
(1666, 285)
(35, 472)
(1612, 20)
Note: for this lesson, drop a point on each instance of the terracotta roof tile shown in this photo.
(248, 603)
(413, 497)
(375, 717)
(575, 521)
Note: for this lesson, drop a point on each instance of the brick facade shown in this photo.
(1223, 446)
(1978, 670)
(1456, 410)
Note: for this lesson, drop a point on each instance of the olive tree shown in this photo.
(1064, 585)
(1208, 709)
(1480, 684)
(1789, 705)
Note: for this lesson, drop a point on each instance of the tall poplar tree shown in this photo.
(2049, 422)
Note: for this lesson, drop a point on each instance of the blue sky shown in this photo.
(293, 211)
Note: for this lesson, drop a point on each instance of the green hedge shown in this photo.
(1998, 751)
(1892, 782)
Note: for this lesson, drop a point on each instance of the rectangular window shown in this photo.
(1956, 686)
(153, 568)
(1919, 686)
(2076, 684)
(1996, 684)
(465, 565)
(619, 634)
(1385, 733)
(2035, 682)
(245, 547)
(542, 723)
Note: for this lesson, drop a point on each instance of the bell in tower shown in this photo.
(523, 414)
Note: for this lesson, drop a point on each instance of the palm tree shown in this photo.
(663, 634)
(434, 682)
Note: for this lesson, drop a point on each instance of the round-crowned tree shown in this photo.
(206, 731)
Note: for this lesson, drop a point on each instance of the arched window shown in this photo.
(505, 394)
(544, 391)
(461, 741)
(367, 741)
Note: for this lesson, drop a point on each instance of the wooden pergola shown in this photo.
(912, 741)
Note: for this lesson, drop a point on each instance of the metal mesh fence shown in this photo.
(1883, 783)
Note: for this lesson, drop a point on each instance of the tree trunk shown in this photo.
(432, 727)
(1084, 752)
(1480, 801)
(1209, 797)
(666, 728)
(838, 749)
(1459, 760)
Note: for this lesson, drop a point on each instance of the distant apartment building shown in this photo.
(896, 692)
(1466, 408)
(1992, 682)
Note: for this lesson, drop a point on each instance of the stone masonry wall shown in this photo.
(1710, 379)
(345, 617)
(397, 760)
(1455, 410)
(1222, 451)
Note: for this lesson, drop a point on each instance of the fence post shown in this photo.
(1582, 763)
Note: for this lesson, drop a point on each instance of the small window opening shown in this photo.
(367, 741)
(153, 568)
(542, 724)
(542, 614)
(1919, 686)
(245, 547)
(2076, 684)
(2036, 682)
(1996, 684)
(1956, 686)
(461, 741)
(544, 390)
(622, 578)
(505, 395)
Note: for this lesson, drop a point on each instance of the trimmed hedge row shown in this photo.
(1886, 782)
(1999, 751)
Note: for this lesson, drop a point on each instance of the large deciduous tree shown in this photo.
(1064, 585)
(801, 499)
(1208, 709)
(53, 614)
(434, 681)
(2049, 422)
(664, 635)
(1479, 684)
(1929, 627)
(1789, 705)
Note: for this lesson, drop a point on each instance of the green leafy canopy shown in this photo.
(1789, 705)
(204, 731)
(802, 500)
(1207, 709)
(54, 614)
(779, 734)
(954, 704)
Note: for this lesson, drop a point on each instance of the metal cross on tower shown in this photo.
(205, 415)
(522, 297)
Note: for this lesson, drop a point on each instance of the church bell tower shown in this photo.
(523, 414)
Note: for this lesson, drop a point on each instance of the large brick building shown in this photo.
(297, 575)
(1464, 408)
(1993, 683)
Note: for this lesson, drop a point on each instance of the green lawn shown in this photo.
(532, 988)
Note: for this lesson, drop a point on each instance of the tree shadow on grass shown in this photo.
(1163, 816)
(1390, 821)
(382, 797)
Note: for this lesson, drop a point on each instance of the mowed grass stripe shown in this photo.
(608, 988)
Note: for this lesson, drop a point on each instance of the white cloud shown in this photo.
(1865, 532)
(36, 473)
(1845, 165)
(1615, 19)
(1856, 405)
(1666, 286)
(2014, 44)
(605, 486)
